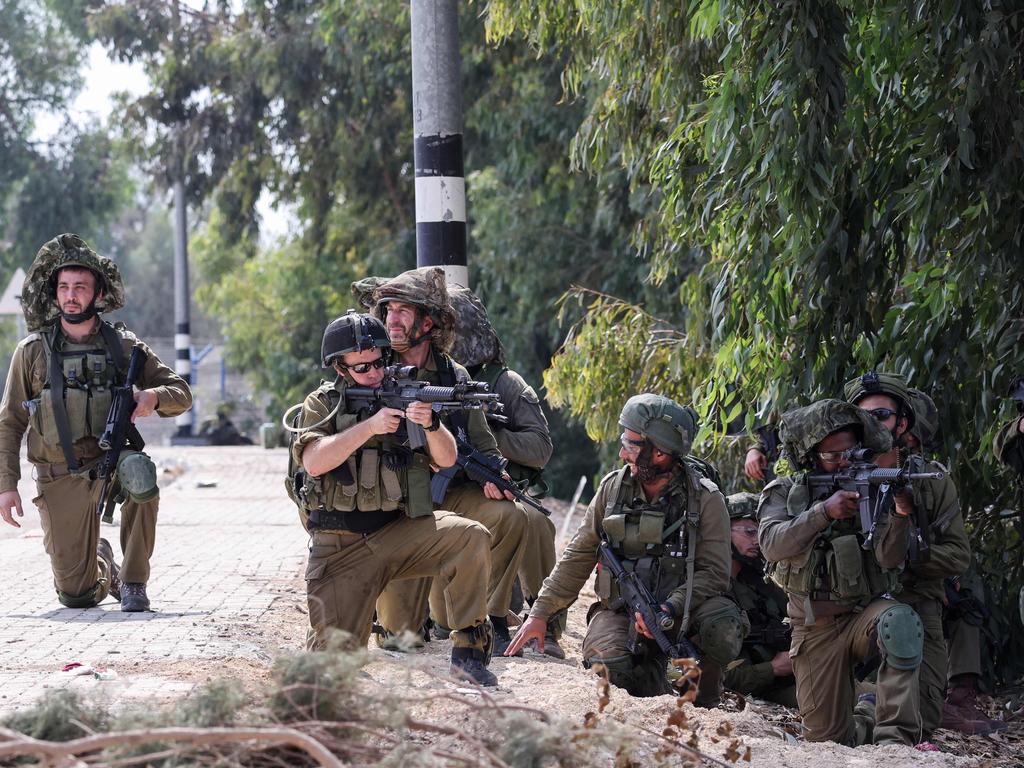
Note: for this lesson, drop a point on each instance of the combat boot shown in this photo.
(551, 646)
(960, 710)
(133, 597)
(502, 638)
(106, 553)
(471, 653)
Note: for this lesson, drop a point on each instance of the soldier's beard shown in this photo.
(402, 346)
(77, 318)
(646, 471)
(747, 562)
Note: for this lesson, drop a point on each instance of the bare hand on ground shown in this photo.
(532, 629)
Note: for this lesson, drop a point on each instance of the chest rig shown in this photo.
(78, 389)
(378, 483)
(656, 540)
(835, 567)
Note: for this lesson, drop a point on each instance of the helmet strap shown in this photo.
(646, 471)
(77, 318)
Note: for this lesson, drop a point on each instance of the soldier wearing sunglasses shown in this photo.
(368, 510)
(929, 508)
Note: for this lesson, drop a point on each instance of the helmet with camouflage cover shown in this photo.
(39, 294)
(352, 332)
(875, 383)
(742, 506)
(926, 420)
(669, 426)
(475, 341)
(803, 428)
(424, 288)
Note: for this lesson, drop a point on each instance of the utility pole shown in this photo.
(437, 131)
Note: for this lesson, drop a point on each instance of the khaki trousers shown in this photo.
(539, 557)
(932, 677)
(347, 572)
(403, 605)
(71, 530)
(963, 649)
(824, 656)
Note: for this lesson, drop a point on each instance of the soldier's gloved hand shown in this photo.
(782, 665)
(9, 502)
(756, 464)
(842, 504)
(385, 421)
(420, 413)
(531, 629)
(146, 401)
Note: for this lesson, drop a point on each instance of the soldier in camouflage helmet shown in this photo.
(835, 587)
(416, 309)
(668, 524)
(933, 515)
(763, 668)
(59, 391)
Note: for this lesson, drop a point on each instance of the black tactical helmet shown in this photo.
(352, 332)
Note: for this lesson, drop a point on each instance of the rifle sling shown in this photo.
(60, 413)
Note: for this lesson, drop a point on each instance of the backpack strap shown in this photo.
(60, 413)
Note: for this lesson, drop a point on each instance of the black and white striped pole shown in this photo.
(182, 334)
(437, 130)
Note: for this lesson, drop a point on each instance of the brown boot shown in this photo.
(960, 710)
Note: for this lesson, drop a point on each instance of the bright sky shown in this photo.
(104, 78)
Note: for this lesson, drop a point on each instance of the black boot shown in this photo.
(133, 597)
(502, 638)
(106, 553)
(469, 664)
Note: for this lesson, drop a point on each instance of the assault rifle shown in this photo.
(635, 595)
(400, 388)
(483, 469)
(777, 638)
(118, 434)
(860, 476)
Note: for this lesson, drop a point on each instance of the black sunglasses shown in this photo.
(364, 367)
(882, 413)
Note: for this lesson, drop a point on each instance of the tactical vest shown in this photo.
(835, 568)
(518, 472)
(78, 388)
(383, 476)
(654, 540)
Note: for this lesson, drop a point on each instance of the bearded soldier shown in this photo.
(668, 524)
(835, 586)
(59, 391)
(418, 315)
(939, 547)
(366, 503)
(763, 668)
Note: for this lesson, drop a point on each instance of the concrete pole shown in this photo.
(182, 333)
(437, 130)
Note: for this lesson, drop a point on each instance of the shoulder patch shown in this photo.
(708, 484)
(29, 339)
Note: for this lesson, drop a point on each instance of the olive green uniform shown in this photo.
(378, 526)
(67, 500)
(526, 442)
(403, 604)
(1008, 445)
(921, 583)
(834, 589)
(655, 539)
(765, 606)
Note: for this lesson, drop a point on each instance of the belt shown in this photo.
(354, 522)
(55, 471)
(335, 539)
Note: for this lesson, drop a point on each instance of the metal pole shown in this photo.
(437, 130)
(182, 334)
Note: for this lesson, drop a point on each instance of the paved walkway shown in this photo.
(226, 587)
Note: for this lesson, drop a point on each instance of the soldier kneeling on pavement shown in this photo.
(838, 591)
(364, 496)
(667, 523)
(59, 390)
(763, 668)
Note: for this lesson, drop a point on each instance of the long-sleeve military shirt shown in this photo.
(25, 381)
(765, 605)
(712, 557)
(950, 553)
(526, 439)
(783, 537)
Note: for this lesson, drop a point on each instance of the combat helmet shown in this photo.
(875, 383)
(39, 294)
(352, 332)
(801, 429)
(424, 288)
(742, 506)
(926, 420)
(669, 426)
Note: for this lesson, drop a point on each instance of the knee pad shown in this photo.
(900, 637)
(137, 474)
(85, 600)
(721, 634)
